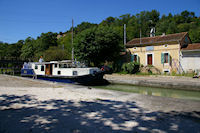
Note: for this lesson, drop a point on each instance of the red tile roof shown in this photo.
(194, 46)
(157, 39)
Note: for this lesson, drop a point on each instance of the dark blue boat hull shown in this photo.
(85, 79)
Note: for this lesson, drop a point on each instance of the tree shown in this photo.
(172, 28)
(183, 27)
(147, 20)
(187, 16)
(28, 49)
(16, 48)
(54, 53)
(100, 39)
(83, 26)
(108, 22)
(97, 45)
(195, 35)
(45, 40)
(66, 44)
(3, 49)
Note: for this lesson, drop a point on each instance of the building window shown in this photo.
(59, 72)
(165, 58)
(166, 55)
(149, 59)
(42, 68)
(55, 65)
(134, 58)
(36, 66)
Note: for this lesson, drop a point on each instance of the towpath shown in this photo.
(34, 106)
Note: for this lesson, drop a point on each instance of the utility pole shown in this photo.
(124, 35)
(72, 40)
(140, 36)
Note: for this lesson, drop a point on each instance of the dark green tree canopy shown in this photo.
(97, 45)
(45, 40)
(83, 26)
(28, 49)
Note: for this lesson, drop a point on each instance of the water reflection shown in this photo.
(175, 93)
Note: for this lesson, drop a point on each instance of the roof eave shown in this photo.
(151, 44)
(192, 50)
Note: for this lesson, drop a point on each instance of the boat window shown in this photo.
(75, 73)
(42, 68)
(55, 65)
(36, 66)
(59, 72)
(63, 65)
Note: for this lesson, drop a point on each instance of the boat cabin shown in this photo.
(61, 68)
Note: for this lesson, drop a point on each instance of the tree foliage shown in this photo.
(65, 43)
(131, 67)
(97, 45)
(28, 49)
(32, 48)
(54, 53)
(45, 40)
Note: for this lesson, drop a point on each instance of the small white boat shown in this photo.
(62, 71)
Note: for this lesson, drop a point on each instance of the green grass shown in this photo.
(148, 74)
(185, 74)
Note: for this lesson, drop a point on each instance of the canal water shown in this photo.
(173, 93)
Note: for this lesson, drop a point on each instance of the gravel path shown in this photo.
(34, 106)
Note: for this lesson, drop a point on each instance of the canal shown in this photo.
(173, 93)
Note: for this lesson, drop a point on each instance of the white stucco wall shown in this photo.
(190, 60)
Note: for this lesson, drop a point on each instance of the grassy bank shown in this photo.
(151, 74)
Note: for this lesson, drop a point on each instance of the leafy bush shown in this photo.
(54, 53)
(131, 67)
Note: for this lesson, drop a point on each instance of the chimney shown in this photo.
(163, 34)
(152, 32)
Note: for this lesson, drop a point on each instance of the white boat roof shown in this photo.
(63, 61)
(51, 62)
(40, 63)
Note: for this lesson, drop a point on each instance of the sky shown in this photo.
(20, 19)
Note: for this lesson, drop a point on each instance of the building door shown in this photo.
(48, 70)
(149, 59)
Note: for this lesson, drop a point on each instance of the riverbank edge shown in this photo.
(181, 83)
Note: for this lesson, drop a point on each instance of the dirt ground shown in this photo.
(34, 106)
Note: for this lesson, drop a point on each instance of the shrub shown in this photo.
(131, 67)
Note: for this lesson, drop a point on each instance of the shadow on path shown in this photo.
(25, 114)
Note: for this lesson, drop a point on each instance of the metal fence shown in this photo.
(11, 65)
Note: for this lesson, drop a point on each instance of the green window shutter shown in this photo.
(132, 58)
(162, 58)
(168, 58)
